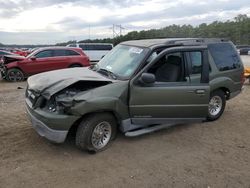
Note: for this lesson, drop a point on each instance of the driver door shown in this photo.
(172, 99)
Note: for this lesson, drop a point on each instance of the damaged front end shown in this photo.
(51, 116)
(3, 69)
(62, 101)
(56, 100)
(5, 60)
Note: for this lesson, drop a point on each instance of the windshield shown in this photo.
(123, 60)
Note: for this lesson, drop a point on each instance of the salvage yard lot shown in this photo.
(214, 154)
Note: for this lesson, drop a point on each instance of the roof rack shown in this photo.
(198, 41)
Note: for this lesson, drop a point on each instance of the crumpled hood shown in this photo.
(49, 83)
(11, 58)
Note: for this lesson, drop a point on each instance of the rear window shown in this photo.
(224, 56)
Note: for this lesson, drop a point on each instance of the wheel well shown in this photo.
(73, 64)
(73, 128)
(15, 68)
(225, 90)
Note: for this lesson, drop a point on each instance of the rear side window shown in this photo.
(60, 53)
(224, 56)
(72, 53)
(65, 53)
(44, 54)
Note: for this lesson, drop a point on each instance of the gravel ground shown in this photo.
(215, 154)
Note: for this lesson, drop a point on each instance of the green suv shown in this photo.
(139, 87)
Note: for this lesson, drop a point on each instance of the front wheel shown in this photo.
(95, 132)
(15, 75)
(216, 105)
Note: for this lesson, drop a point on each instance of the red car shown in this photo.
(17, 68)
(21, 53)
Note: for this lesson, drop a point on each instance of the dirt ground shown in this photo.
(215, 154)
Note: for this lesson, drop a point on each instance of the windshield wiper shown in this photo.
(108, 73)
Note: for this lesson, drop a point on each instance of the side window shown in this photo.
(44, 54)
(196, 61)
(72, 53)
(91, 47)
(170, 68)
(103, 47)
(59, 53)
(224, 56)
(83, 47)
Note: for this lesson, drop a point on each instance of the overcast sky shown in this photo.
(53, 21)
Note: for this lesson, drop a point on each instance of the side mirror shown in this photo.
(33, 58)
(147, 78)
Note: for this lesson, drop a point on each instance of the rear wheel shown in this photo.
(15, 75)
(95, 132)
(217, 105)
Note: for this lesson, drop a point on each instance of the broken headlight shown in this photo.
(62, 102)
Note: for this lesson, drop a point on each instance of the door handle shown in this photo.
(200, 91)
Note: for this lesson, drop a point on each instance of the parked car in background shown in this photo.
(95, 51)
(3, 53)
(20, 52)
(244, 51)
(17, 68)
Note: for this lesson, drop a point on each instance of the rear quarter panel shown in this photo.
(230, 79)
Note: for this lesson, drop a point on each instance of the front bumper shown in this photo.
(53, 127)
(3, 70)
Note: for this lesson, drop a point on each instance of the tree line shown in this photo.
(237, 30)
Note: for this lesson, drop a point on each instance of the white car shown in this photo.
(95, 51)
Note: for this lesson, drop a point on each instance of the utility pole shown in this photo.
(89, 32)
(117, 30)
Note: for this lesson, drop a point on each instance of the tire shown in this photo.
(15, 75)
(88, 132)
(217, 105)
(75, 65)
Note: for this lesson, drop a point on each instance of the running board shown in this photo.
(147, 130)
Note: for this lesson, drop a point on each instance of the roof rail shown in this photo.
(199, 41)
